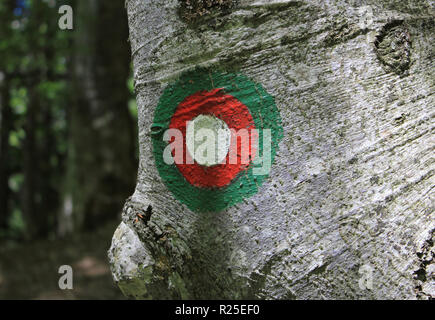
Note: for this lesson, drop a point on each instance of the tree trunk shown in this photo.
(39, 201)
(101, 133)
(33, 218)
(347, 209)
(5, 128)
(5, 118)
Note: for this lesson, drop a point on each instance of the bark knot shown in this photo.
(192, 10)
(393, 46)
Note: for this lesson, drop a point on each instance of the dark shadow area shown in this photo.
(68, 144)
(30, 271)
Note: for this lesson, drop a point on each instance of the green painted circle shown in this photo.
(264, 112)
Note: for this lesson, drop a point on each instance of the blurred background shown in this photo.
(68, 145)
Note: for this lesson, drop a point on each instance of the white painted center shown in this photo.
(208, 139)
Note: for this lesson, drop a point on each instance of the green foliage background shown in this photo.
(36, 56)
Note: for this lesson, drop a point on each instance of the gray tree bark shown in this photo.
(350, 192)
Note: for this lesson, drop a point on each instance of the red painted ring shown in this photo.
(235, 114)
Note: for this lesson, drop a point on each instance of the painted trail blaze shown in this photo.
(228, 101)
